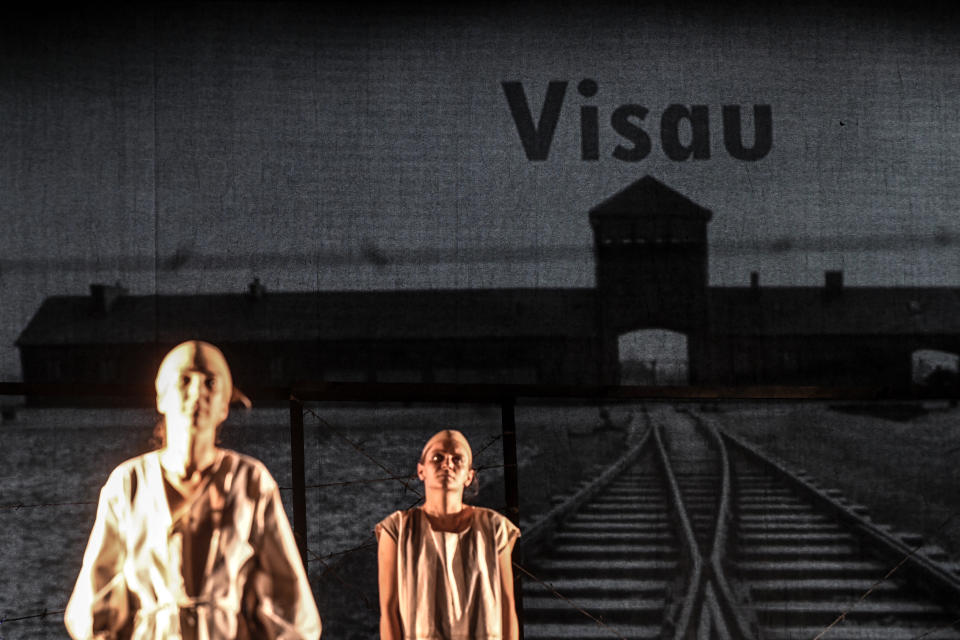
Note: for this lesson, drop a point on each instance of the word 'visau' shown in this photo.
(676, 122)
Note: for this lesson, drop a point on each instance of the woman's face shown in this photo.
(194, 389)
(447, 463)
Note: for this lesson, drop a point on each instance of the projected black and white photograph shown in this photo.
(558, 320)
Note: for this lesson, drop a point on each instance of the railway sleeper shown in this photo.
(631, 611)
(793, 612)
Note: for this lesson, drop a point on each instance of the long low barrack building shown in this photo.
(651, 255)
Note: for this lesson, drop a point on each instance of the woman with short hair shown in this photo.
(444, 567)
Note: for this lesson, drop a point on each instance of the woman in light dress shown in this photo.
(191, 542)
(445, 569)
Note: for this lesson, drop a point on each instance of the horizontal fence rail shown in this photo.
(482, 393)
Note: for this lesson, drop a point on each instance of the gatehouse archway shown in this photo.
(653, 357)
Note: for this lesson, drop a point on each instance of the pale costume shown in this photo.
(449, 583)
(249, 581)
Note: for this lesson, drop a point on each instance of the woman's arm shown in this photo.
(387, 579)
(510, 625)
(100, 603)
(282, 603)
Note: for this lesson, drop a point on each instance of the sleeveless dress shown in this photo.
(449, 582)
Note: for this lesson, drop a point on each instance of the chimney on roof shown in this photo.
(256, 289)
(754, 280)
(105, 295)
(832, 283)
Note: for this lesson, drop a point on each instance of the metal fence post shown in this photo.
(511, 490)
(298, 477)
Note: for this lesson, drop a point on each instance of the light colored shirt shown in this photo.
(449, 582)
(249, 581)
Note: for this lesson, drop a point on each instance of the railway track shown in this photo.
(615, 558)
(696, 534)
